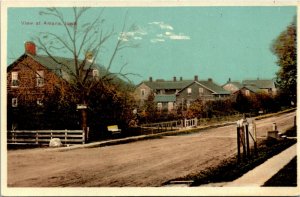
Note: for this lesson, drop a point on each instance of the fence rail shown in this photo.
(67, 137)
(161, 126)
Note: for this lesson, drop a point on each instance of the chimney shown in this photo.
(174, 78)
(196, 78)
(150, 79)
(209, 79)
(180, 78)
(30, 48)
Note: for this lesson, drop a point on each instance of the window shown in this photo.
(14, 102)
(95, 73)
(14, 79)
(143, 92)
(159, 106)
(188, 103)
(39, 102)
(40, 78)
(247, 93)
(189, 91)
(170, 106)
(201, 91)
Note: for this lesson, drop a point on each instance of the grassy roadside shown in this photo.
(286, 177)
(230, 169)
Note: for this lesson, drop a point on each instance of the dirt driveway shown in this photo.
(142, 163)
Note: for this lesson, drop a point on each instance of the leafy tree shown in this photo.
(285, 48)
(85, 42)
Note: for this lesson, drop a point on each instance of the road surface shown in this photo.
(142, 163)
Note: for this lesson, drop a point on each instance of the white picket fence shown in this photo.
(190, 122)
(67, 137)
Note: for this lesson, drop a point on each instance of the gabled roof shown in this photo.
(210, 85)
(66, 64)
(167, 85)
(260, 83)
(163, 98)
(252, 88)
(235, 83)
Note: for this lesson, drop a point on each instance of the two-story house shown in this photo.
(201, 89)
(164, 91)
(171, 94)
(32, 78)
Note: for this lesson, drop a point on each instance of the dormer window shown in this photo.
(95, 73)
(14, 79)
(40, 78)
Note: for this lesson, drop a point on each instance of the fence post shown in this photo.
(37, 137)
(238, 142)
(66, 135)
(196, 122)
(247, 140)
(83, 137)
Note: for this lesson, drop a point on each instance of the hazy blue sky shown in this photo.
(211, 42)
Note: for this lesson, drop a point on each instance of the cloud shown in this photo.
(154, 40)
(179, 37)
(167, 32)
(135, 33)
(162, 25)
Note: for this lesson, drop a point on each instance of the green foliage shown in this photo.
(285, 48)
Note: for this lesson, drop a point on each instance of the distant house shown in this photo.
(159, 87)
(232, 86)
(248, 91)
(171, 94)
(204, 90)
(264, 85)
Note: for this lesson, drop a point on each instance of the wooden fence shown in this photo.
(43, 137)
(161, 126)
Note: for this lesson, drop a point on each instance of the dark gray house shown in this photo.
(204, 90)
(171, 94)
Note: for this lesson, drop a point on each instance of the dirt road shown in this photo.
(142, 163)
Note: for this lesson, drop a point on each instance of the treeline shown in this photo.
(236, 104)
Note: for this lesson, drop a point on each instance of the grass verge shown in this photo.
(286, 177)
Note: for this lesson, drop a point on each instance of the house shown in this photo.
(264, 85)
(159, 87)
(32, 79)
(173, 93)
(33, 76)
(200, 89)
(248, 90)
(232, 86)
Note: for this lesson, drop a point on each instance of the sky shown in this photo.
(211, 42)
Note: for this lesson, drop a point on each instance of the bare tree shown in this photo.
(85, 42)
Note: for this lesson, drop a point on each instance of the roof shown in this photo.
(210, 85)
(214, 87)
(235, 83)
(260, 83)
(163, 98)
(252, 88)
(61, 64)
(158, 85)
